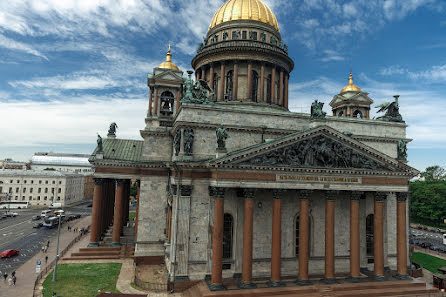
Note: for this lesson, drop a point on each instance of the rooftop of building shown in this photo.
(35, 173)
(120, 150)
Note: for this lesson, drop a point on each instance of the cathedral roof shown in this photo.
(351, 87)
(168, 64)
(254, 10)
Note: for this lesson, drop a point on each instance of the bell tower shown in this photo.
(351, 102)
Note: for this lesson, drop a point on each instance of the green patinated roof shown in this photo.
(120, 150)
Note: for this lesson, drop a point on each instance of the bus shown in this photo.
(46, 213)
(13, 204)
(51, 222)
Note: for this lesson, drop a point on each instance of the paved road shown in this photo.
(18, 233)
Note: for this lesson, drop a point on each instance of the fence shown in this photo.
(36, 291)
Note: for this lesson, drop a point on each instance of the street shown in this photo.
(18, 233)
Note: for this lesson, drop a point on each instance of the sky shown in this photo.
(70, 68)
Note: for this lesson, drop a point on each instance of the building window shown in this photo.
(254, 85)
(244, 35)
(60, 182)
(24, 190)
(369, 237)
(1, 189)
(46, 198)
(32, 181)
(16, 197)
(357, 114)
(46, 190)
(59, 190)
(16, 190)
(253, 35)
(10, 190)
(228, 233)
(341, 114)
(30, 198)
(40, 181)
(38, 197)
(18, 181)
(11, 181)
(24, 181)
(23, 197)
(46, 182)
(229, 84)
(297, 235)
(39, 190)
(58, 198)
(31, 190)
(268, 89)
(52, 190)
(54, 182)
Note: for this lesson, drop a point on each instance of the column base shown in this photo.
(379, 278)
(116, 244)
(402, 276)
(329, 281)
(275, 284)
(303, 282)
(93, 244)
(243, 285)
(352, 279)
(216, 287)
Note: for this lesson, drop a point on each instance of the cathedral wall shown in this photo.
(157, 147)
(388, 148)
(152, 216)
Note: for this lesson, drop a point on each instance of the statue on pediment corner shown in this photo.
(112, 129)
(99, 141)
(316, 110)
(198, 92)
(392, 111)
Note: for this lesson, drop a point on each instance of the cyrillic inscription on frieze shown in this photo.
(317, 179)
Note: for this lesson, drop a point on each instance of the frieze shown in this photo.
(380, 196)
(186, 190)
(317, 179)
(356, 195)
(319, 151)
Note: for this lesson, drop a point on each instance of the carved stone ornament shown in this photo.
(186, 190)
(177, 142)
(222, 135)
(212, 191)
(380, 196)
(99, 181)
(356, 195)
(319, 151)
(188, 140)
(304, 194)
(278, 193)
(197, 92)
(217, 192)
(245, 193)
(331, 195)
(402, 196)
(120, 182)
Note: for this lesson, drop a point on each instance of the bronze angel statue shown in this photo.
(392, 111)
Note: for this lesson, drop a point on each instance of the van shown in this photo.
(46, 213)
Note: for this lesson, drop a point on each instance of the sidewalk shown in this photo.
(26, 274)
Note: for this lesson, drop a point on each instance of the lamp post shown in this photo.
(57, 250)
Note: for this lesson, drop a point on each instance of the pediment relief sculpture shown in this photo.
(316, 152)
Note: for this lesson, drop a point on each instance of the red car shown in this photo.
(9, 253)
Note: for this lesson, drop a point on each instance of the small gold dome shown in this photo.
(351, 87)
(254, 10)
(168, 64)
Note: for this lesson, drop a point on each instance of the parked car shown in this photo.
(9, 253)
(434, 247)
(37, 225)
(426, 245)
(36, 218)
(90, 205)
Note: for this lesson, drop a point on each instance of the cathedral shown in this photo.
(238, 192)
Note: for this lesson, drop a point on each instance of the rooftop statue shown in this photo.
(316, 110)
(392, 110)
(222, 135)
(402, 150)
(197, 92)
(99, 141)
(112, 129)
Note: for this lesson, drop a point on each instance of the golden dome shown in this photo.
(351, 87)
(254, 10)
(168, 64)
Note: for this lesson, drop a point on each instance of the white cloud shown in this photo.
(436, 73)
(9, 43)
(331, 55)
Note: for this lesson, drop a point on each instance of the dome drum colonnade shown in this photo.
(243, 57)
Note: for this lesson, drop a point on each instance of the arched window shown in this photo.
(297, 235)
(166, 102)
(215, 85)
(254, 85)
(357, 114)
(229, 84)
(268, 89)
(228, 233)
(369, 237)
(341, 114)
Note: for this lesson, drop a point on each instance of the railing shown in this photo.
(48, 267)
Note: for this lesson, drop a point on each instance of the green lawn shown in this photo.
(428, 262)
(132, 215)
(82, 279)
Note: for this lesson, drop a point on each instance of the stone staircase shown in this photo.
(369, 289)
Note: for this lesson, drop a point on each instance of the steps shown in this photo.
(369, 289)
(96, 253)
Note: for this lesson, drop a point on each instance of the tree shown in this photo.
(134, 190)
(434, 173)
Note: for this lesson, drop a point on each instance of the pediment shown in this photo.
(319, 148)
(168, 75)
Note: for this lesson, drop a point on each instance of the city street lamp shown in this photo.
(57, 250)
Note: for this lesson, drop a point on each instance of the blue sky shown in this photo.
(69, 68)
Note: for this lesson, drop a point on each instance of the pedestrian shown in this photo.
(13, 273)
(14, 279)
(5, 276)
(10, 281)
(48, 244)
(46, 260)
